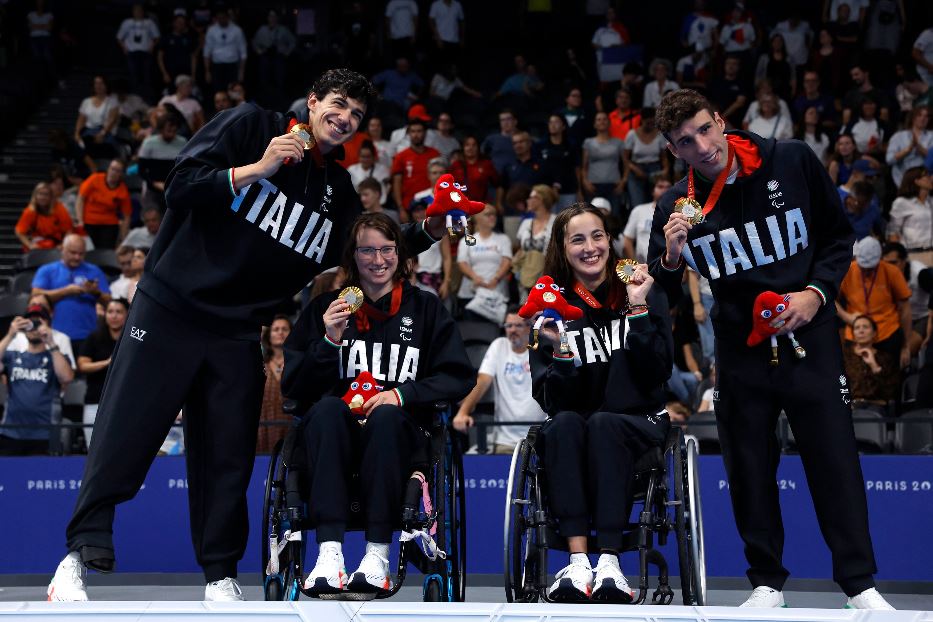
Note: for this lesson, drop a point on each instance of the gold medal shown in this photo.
(303, 131)
(690, 208)
(625, 269)
(353, 296)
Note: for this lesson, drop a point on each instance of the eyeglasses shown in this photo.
(369, 252)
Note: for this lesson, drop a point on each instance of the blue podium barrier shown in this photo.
(152, 533)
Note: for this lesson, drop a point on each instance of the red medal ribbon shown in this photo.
(718, 185)
(368, 311)
(616, 295)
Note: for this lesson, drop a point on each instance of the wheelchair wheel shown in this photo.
(457, 521)
(519, 561)
(688, 521)
(269, 502)
(432, 591)
(282, 584)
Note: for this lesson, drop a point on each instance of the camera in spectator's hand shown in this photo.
(34, 324)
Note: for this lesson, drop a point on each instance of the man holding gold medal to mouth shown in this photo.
(257, 206)
(756, 215)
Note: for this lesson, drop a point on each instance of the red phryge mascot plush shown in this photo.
(546, 297)
(769, 305)
(451, 202)
(361, 389)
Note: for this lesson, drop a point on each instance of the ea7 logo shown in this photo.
(773, 185)
(137, 333)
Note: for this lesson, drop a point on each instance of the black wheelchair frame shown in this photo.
(666, 483)
(284, 520)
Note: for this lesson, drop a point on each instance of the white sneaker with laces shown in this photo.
(869, 599)
(610, 585)
(764, 597)
(572, 583)
(69, 583)
(225, 590)
(372, 576)
(329, 575)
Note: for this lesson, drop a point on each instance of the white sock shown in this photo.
(608, 558)
(333, 544)
(580, 558)
(380, 549)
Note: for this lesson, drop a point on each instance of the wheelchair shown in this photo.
(441, 558)
(667, 489)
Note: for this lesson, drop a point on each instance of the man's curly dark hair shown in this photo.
(346, 83)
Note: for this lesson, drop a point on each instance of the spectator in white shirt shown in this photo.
(385, 151)
(637, 231)
(505, 366)
(911, 219)
(402, 26)
(656, 89)
(224, 52)
(447, 28)
(187, 105)
(487, 263)
(20, 343)
(138, 36)
(770, 123)
(797, 38)
(922, 54)
(908, 148)
(144, 237)
(273, 44)
(368, 168)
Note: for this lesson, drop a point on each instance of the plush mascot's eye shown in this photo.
(780, 308)
(458, 186)
(367, 386)
(766, 313)
(445, 184)
(539, 285)
(555, 287)
(354, 385)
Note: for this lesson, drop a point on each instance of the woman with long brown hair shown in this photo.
(604, 399)
(44, 222)
(273, 356)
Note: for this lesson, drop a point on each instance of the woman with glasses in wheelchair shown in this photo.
(604, 400)
(408, 342)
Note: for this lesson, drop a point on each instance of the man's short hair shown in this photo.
(512, 309)
(677, 107)
(370, 184)
(347, 84)
(416, 121)
(863, 190)
(894, 247)
(439, 161)
(124, 250)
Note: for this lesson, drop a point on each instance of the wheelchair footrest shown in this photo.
(348, 596)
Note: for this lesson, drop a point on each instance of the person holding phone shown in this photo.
(74, 287)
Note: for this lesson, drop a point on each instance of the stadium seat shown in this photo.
(477, 332)
(510, 226)
(870, 436)
(105, 259)
(702, 426)
(21, 283)
(39, 257)
(476, 352)
(913, 432)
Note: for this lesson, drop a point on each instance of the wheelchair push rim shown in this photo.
(696, 522)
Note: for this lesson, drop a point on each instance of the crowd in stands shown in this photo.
(851, 78)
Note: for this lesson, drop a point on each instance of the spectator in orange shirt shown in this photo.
(877, 289)
(410, 168)
(45, 221)
(103, 207)
(624, 118)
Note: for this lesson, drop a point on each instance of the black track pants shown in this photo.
(381, 452)
(814, 394)
(219, 381)
(589, 464)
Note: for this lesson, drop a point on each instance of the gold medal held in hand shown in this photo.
(690, 208)
(353, 296)
(626, 270)
(303, 131)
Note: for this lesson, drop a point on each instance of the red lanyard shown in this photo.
(615, 296)
(718, 185)
(367, 311)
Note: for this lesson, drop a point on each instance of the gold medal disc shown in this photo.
(354, 297)
(303, 130)
(690, 208)
(625, 269)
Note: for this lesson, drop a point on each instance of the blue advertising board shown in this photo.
(152, 533)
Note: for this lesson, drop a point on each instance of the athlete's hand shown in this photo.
(436, 227)
(281, 147)
(639, 285)
(801, 308)
(335, 319)
(675, 237)
(462, 422)
(548, 330)
(383, 397)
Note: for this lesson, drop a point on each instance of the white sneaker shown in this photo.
(764, 597)
(869, 599)
(225, 590)
(572, 583)
(610, 585)
(372, 576)
(329, 575)
(69, 583)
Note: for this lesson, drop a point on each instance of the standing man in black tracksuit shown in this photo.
(254, 213)
(772, 221)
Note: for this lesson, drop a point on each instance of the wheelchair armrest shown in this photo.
(289, 407)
